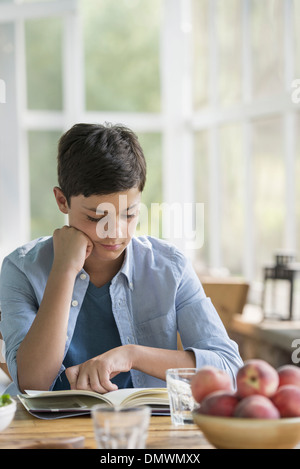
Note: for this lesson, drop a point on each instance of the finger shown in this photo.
(106, 382)
(72, 376)
(83, 381)
(95, 383)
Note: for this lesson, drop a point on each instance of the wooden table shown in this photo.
(277, 342)
(162, 434)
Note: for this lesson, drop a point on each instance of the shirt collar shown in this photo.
(127, 266)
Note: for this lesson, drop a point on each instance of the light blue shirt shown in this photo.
(155, 294)
(95, 332)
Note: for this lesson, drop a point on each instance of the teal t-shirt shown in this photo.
(95, 332)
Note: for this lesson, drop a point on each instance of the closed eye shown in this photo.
(95, 220)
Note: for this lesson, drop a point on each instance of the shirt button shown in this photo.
(74, 303)
(83, 276)
(128, 340)
(131, 285)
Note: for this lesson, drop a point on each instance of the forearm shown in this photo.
(155, 361)
(40, 355)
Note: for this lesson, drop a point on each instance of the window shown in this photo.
(206, 84)
(121, 49)
(72, 70)
(246, 55)
(42, 150)
(43, 48)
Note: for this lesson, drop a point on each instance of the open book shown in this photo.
(58, 404)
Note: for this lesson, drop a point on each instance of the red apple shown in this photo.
(221, 403)
(209, 379)
(257, 377)
(287, 400)
(256, 407)
(289, 374)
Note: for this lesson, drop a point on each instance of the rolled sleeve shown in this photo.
(201, 329)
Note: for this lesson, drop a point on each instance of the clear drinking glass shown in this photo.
(182, 402)
(120, 428)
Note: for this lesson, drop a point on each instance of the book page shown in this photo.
(147, 396)
(47, 404)
(59, 404)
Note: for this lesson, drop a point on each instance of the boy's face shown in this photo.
(108, 220)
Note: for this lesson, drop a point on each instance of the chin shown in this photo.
(110, 250)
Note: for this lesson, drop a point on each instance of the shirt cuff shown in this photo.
(212, 358)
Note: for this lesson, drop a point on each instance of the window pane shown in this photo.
(201, 53)
(232, 198)
(296, 16)
(229, 50)
(44, 63)
(297, 185)
(45, 215)
(202, 192)
(269, 190)
(296, 306)
(152, 194)
(122, 54)
(151, 144)
(267, 47)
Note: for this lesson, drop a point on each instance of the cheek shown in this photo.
(85, 226)
(90, 231)
(132, 227)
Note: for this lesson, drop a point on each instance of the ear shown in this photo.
(61, 200)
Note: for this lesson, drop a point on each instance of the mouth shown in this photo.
(111, 247)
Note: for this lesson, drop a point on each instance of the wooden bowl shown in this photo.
(246, 433)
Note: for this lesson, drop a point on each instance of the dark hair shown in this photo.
(96, 159)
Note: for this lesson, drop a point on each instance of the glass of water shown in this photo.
(181, 399)
(121, 428)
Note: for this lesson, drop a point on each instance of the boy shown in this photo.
(93, 307)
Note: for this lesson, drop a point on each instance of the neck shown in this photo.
(101, 272)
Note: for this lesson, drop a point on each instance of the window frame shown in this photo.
(245, 112)
(177, 122)
(16, 120)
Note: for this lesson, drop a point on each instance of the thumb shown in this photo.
(72, 375)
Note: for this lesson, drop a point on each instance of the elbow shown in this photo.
(29, 377)
(32, 383)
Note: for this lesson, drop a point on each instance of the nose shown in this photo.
(120, 229)
(112, 227)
